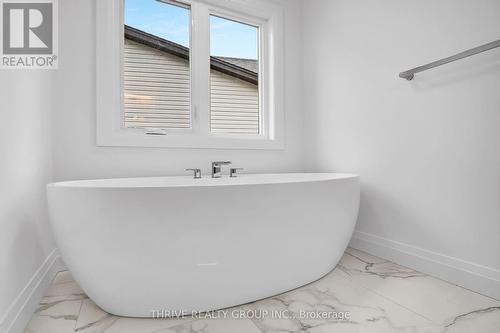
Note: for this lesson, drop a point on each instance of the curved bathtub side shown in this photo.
(138, 250)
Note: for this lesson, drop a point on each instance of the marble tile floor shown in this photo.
(372, 295)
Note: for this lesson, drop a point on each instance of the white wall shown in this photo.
(427, 151)
(75, 153)
(25, 169)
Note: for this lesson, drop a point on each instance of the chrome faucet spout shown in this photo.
(217, 168)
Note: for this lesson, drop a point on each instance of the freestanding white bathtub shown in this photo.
(138, 246)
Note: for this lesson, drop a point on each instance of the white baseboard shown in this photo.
(478, 278)
(24, 305)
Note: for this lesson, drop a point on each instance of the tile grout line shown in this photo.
(78, 316)
(432, 276)
(403, 306)
(364, 286)
(255, 325)
(424, 275)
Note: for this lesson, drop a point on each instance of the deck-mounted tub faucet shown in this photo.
(233, 172)
(216, 168)
(196, 173)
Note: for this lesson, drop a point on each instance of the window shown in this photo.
(193, 74)
(234, 77)
(156, 70)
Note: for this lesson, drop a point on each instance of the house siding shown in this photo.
(157, 94)
(156, 88)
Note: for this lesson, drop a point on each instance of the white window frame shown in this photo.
(267, 15)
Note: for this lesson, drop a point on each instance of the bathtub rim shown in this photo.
(205, 181)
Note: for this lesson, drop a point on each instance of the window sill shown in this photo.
(131, 139)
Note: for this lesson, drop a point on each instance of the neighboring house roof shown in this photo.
(244, 69)
(249, 64)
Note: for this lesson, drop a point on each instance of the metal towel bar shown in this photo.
(409, 74)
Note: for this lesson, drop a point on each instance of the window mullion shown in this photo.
(200, 54)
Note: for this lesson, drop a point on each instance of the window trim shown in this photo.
(109, 80)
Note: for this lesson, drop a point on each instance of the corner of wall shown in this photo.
(24, 305)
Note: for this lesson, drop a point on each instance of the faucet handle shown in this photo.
(233, 171)
(196, 173)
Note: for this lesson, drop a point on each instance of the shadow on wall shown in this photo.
(378, 205)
